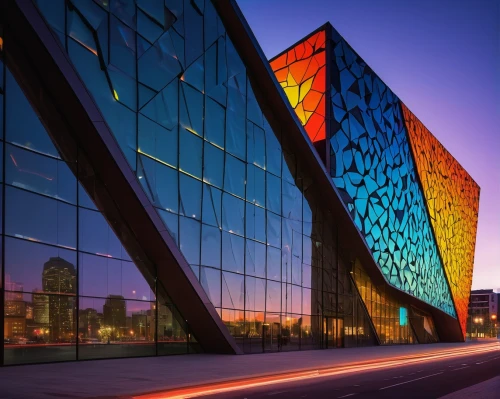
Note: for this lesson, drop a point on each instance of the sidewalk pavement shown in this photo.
(132, 376)
(489, 389)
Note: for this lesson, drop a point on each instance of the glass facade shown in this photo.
(70, 290)
(237, 198)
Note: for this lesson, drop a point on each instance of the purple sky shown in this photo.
(441, 58)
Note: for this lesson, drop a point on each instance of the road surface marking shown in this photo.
(460, 368)
(345, 396)
(406, 382)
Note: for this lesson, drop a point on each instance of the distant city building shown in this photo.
(115, 315)
(89, 323)
(484, 313)
(58, 280)
(40, 303)
(14, 309)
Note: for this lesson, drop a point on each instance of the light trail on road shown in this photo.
(376, 364)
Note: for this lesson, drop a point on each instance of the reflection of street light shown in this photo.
(493, 321)
(478, 320)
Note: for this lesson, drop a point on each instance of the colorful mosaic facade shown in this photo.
(452, 198)
(301, 71)
(373, 166)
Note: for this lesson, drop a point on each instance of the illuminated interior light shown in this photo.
(13, 159)
(105, 255)
(190, 130)
(1, 43)
(86, 46)
(190, 175)
(116, 95)
(155, 159)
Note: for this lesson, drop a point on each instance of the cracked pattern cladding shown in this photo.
(453, 202)
(301, 71)
(372, 166)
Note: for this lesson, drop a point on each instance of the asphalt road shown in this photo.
(429, 379)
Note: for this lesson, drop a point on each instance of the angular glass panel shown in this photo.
(233, 253)
(171, 220)
(235, 134)
(273, 191)
(190, 153)
(32, 267)
(122, 47)
(255, 223)
(41, 174)
(273, 229)
(216, 72)
(214, 122)
(53, 13)
(159, 65)
(84, 199)
(191, 109)
(273, 151)
(147, 27)
(125, 10)
(255, 289)
(22, 125)
(256, 145)
(273, 263)
(254, 113)
(124, 87)
(38, 218)
(160, 182)
(164, 107)
(256, 185)
(255, 259)
(194, 35)
(91, 12)
(234, 176)
(194, 75)
(212, 206)
(211, 282)
(82, 33)
(189, 239)
(190, 197)
(95, 235)
(273, 302)
(120, 119)
(211, 246)
(233, 214)
(233, 288)
(157, 142)
(213, 165)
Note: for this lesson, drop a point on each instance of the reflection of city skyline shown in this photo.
(50, 314)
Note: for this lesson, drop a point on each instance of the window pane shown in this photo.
(189, 231)
(32, 267)
(233, 213)
(212, 206)
(95, 235)
(255, 293)
(234, 176)
(39, 328)
(158, 142)
(22, 124)
(213, 165)
(273, 263)
(211, 246)
(40, 174)
(273, 191)
(233, 290)
(233, 252)
(210, 280)
(273, 303)
(255, 259)
(190, 153)
(214, 122)
(190, 197)
(39, 218)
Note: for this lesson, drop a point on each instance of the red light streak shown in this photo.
(253, 382)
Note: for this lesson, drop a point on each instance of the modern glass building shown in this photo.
(159, 195)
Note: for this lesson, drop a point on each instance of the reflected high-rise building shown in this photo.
(115, 315)
(15, 309)
(59, 277)
(40, 308)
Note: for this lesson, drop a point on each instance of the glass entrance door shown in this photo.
(271, 337)
(333, 330)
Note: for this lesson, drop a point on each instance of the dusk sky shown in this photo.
(442, 60)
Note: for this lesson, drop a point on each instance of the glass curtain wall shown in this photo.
(177, 97)
(70, 289)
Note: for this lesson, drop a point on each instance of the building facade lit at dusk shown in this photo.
(159, 194)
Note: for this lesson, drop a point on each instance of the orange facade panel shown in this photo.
(301, 71)
(452, 198)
